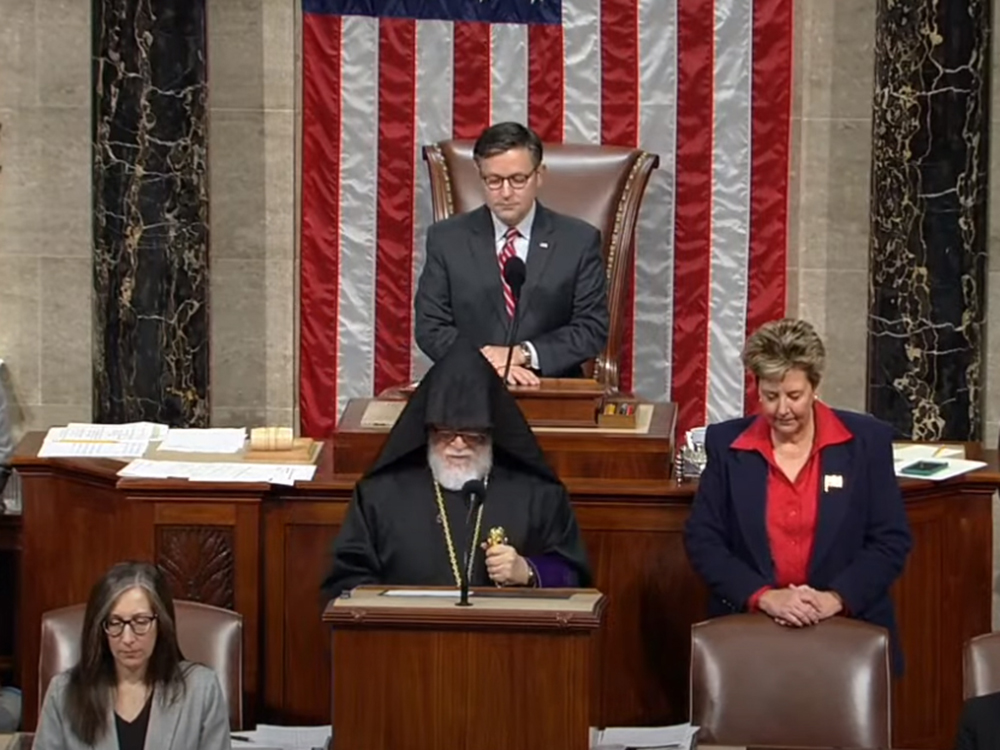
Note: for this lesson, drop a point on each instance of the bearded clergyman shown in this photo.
(409, 518)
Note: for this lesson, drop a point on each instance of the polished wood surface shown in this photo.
(429, 677)
(79, 518)
(587, 453)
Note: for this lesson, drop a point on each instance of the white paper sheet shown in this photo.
(678, 736)
(213, 440)
(955, 467)
(282, 738)
(917, 451)
(439, 593)
(220, 472)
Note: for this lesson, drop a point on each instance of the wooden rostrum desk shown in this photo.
(263, 550)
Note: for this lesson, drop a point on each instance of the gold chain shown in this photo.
(451, 545)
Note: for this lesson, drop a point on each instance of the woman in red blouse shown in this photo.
(798, 512)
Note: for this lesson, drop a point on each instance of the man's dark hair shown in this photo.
(504, 136)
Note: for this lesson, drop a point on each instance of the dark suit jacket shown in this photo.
(862, 535)
(979, 727)
(563, 310)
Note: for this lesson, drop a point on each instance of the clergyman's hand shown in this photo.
(505, 566)
(789, 606)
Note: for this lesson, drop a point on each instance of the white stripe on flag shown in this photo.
(730, 207)
(654, 277)
(509, 73)
(435, 81)
(358, 204)
(582, 71)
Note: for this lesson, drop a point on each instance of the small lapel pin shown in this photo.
(543, 244)
(833, 482)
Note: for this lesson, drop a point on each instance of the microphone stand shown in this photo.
(463, 599)
(511, 336)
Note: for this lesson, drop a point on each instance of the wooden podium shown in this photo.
(513, 670)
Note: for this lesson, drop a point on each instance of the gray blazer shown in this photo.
(198, 720)
(563, 310)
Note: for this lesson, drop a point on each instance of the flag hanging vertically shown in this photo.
(705, 84)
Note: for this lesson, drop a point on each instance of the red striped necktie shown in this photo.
(506, 254)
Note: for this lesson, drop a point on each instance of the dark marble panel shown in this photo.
(151, 328)
(929, 204)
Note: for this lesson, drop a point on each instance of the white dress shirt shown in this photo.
(521, 245)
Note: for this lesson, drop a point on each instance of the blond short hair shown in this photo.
(783, 345)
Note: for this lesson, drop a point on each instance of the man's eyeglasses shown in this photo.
(140, 625)
(516, 181)
(470, 438)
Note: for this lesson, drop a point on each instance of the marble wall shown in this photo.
(45, 208)
(253, 121)
(150, 223)
(928, 233)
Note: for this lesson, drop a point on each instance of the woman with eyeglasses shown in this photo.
(132, 688)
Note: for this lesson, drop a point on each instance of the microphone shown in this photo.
(514, 273)
(475, 491)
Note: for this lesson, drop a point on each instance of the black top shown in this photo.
(979, 728)
(132, 734)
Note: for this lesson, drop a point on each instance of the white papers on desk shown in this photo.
(917, 451)
(954, 467)
(434, 593)
(287, 474)
(213, 440)
(678, 736)
(85, 440)
(283, 738)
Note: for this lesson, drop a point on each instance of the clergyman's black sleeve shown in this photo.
(355, 558)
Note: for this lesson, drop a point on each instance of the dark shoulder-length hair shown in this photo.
(91, 681)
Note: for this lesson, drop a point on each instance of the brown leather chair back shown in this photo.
(754, 682)
(209, 635)
(602, 185)
(981, 665)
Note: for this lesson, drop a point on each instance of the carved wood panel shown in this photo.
(198, 562)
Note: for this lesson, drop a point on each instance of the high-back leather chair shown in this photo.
(209, 635)
(602, 185)
(981, 665)
(754, 682)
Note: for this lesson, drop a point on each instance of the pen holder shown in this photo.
(618, 413)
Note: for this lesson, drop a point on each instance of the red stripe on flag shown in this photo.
(545, 81)
(620, 124)
(770, 116)
(693, 210)
(471, 103)
(321, 61)
(397, 108)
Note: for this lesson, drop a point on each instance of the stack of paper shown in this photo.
(283, 738)
(287, 474)
(100, 440)
(933, 462)
(679, 737)
(214, 440)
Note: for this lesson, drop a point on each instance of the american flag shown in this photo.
(705, 84)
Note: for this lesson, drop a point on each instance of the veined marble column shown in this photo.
(929, 206)
(150, 212)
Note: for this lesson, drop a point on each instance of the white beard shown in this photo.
(454, 478)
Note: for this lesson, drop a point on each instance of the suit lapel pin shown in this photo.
(833, 482)
(543, 244)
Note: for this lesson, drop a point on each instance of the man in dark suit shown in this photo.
(979, 728)
(562, 315)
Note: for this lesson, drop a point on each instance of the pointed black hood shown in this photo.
(462, 391)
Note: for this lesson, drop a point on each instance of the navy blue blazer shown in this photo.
(862, 535)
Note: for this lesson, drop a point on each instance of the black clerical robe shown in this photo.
(394, 534)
